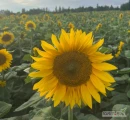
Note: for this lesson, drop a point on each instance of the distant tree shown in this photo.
(23, 10)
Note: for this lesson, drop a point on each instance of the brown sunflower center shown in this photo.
(30, 25)
(6, 37)
(72, 68)
(2, 59)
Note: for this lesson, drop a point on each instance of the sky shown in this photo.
(17, 5)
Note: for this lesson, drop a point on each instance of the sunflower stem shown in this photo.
(70, 113)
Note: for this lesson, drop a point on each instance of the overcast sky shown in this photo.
(17, 5)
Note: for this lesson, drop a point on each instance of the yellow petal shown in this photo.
(97, 83)
(41, 73)
(45, 63)
(64, 43)
(88, 41)
(95, 47)
(46, 46)
(49, 84)
(100, 57)
(38, 84)
(59, 94)
(93, 91)
(104, 66)
(55, 41)
(110, 89)
(86, 97)
(103, 76)
(50, 93)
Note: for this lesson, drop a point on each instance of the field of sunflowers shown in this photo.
(67, 66)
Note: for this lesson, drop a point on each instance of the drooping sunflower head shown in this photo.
(5, 59)
(73, 70)
(6, 38)
(30, 25)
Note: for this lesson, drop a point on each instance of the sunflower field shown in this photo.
(67, 66)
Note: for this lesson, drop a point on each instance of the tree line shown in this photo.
(125, 6)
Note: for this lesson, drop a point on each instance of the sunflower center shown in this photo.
(72, 68)
(6, 38)
(2, 59)
(30, 25)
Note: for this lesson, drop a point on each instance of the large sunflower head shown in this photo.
(73, 70)
(30, 25)
(5, 59)
(6, 38)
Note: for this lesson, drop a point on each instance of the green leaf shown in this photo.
(87, 117)
(105, 50)
(122, 78)
(127, 54)
(35, 98)
(128, 93)
(27, 57)
(44, 114)
(4, 108)
(20, 67)
(24, 117)
(125, 109)
(123, 71)
(28, 80)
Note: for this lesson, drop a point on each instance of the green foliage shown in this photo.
(18, 100)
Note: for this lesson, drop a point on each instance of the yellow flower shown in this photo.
(98, 26)
(71, 25)
(24, 16)
(2, 83)
(22, 35)
(121, 16)
(6, 38)
(119, 49)
(120, 46)
(30, 25)
(117, 54)
(129, 23)
(5, 59)
(46, 17)
(21, 22)
(73, 70)
(59, 23)
(128, 31)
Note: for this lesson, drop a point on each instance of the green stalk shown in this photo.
(70, 113)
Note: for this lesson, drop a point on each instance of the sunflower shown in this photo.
(6, 38)
(30, 25)
(73, 70)
(24, 16)
(59, 23)
(2, 83)
(119, 49)
(71, 25)
(5, 59)
(98, 26)
(121, 16)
